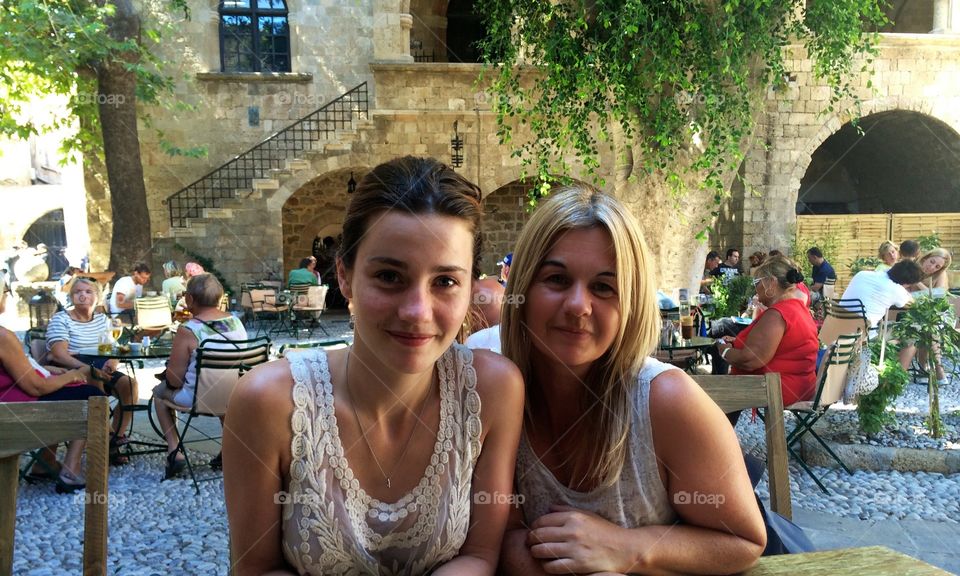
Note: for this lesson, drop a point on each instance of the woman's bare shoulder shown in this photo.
(268, 386)
(498, 379)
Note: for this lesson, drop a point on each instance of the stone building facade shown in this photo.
(423, 92)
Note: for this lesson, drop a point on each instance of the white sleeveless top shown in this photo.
(638, 498)
(332, 526)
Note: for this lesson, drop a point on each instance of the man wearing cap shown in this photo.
(505, 268)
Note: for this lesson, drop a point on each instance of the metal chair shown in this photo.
(829, 288)
(153, 314)
(325, 344)
(830, 382)
(264, 304)
(308, 303)
(220, 364)
(843, 316)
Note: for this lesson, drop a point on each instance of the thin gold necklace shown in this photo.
(363, 432)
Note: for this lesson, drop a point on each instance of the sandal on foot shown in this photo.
(116, 457)
(67, 482)
(174, 466)
(217, 461)
(35, 476)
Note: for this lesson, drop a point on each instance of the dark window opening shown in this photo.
(254, 37)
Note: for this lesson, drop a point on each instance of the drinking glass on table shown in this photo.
(116, 329)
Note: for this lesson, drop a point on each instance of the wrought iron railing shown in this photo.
(240, 172)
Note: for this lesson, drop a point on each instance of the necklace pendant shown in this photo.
(388, 483)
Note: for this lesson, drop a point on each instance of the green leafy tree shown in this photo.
(671, 85)
(96, 53)
(929, 322)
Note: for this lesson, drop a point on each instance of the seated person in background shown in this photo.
(127, 289)
(888, 254)
(909, 250)
(731, 266)
(484, 316)
(612, 439)
(304, 274)
(757, 259)
(208, 323)
(711, 270)
(485, 303)
(782, 339)
(22, 381)
(174, 284)
(880, 290)
(934, 265)
(822, 271)
(81, 327)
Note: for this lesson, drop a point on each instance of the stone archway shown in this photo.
(899, 161)
(316, 208)
(504, 216)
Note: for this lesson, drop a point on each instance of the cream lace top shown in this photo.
(332, 526)
(637, 499)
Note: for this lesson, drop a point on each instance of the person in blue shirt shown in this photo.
(822, 271)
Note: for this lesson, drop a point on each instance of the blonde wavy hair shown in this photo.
(942, 253)
(612, 379)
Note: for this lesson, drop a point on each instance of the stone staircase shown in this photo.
(246, 182)
(255, 197)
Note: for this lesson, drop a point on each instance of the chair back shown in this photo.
(246, 302)
(36, 341)
(829, 288)
(843, 316)
(300, 346)
(220, 364)
(833, 369)
(263, 299)
(26, 426)
(734, 393)
(153, 312)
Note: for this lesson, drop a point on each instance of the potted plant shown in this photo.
(929, 323)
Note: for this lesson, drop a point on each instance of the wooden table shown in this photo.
(868, 561)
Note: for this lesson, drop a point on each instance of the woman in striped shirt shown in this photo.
(81, 327)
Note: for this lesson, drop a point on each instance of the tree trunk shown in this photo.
(121, 147)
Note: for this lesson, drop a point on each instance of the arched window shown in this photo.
(254, 36)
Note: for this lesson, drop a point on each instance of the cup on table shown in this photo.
(686, 327)
(136, 347)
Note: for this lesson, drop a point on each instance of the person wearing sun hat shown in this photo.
(505, 268)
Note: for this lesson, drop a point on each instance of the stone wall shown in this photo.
(919, 73)
(331, 46)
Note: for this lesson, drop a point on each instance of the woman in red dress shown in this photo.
(783, 338)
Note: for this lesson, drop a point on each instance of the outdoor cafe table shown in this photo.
(150, 353)
(697, 345)
(867, 561)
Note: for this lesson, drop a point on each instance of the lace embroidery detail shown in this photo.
(332, 526)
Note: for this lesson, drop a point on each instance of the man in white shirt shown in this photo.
(880, 290)
(128, 288)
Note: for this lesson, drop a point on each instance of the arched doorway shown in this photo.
(896, 162)
(504, 216)
(50, 230)
(316, 209)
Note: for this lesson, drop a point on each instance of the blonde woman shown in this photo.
(613, 441)
(934, 265)
(81, 327)
(889, 254)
